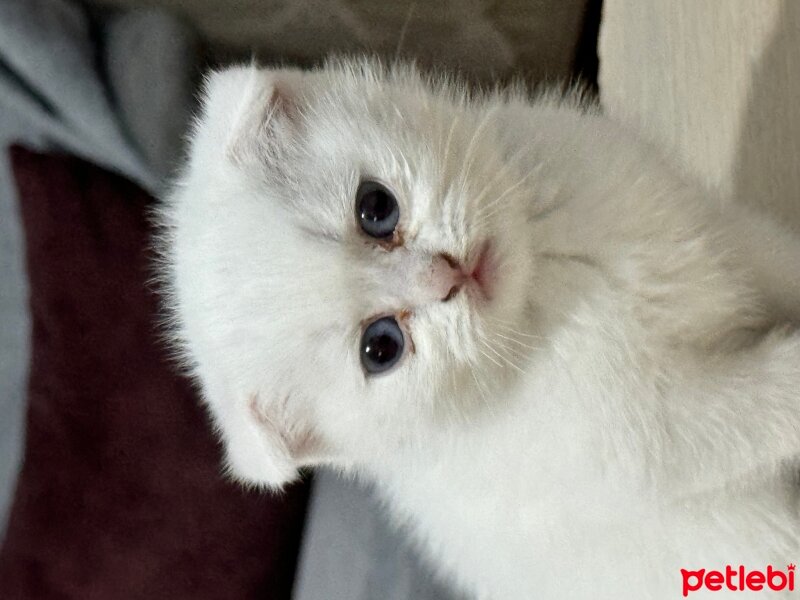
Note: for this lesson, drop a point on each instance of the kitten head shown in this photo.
(345, 253)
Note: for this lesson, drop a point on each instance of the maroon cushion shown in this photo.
(121, 493)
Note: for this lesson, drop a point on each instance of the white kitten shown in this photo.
(555, 357)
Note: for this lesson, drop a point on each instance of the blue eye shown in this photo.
(376, 209)
(381, 345)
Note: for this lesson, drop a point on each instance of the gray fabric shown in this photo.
(352, 552)
(151, 62)
(14, 333)
(56, 65)
(51, 78)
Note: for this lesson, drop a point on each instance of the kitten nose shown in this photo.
(447, 277)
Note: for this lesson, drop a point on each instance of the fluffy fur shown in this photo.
(625, 405)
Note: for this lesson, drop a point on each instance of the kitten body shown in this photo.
(613, 403)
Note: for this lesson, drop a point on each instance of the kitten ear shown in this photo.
(253, 113)
(266, 442)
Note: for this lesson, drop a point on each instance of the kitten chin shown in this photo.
(561, 361)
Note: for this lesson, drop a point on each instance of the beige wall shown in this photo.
(535, 38)
(715, 83)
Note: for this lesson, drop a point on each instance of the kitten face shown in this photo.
(319, 207)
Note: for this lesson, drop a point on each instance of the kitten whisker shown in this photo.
(504, 358)
(506, 325)
(445, 158)
(516, 353)
(403, 32)
(453, 402)
(509, 164)
(516, 341)
(489, 357)
(483, 214)
(481, 389)
(470, 153)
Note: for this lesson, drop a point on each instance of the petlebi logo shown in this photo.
(739, 579)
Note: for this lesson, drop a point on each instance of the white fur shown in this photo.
(623, 407)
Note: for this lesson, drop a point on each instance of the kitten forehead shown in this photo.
(429, 150)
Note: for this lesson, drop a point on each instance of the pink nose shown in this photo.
(447, 277)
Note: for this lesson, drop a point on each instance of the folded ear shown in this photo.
(251, 113)
(266, 442)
